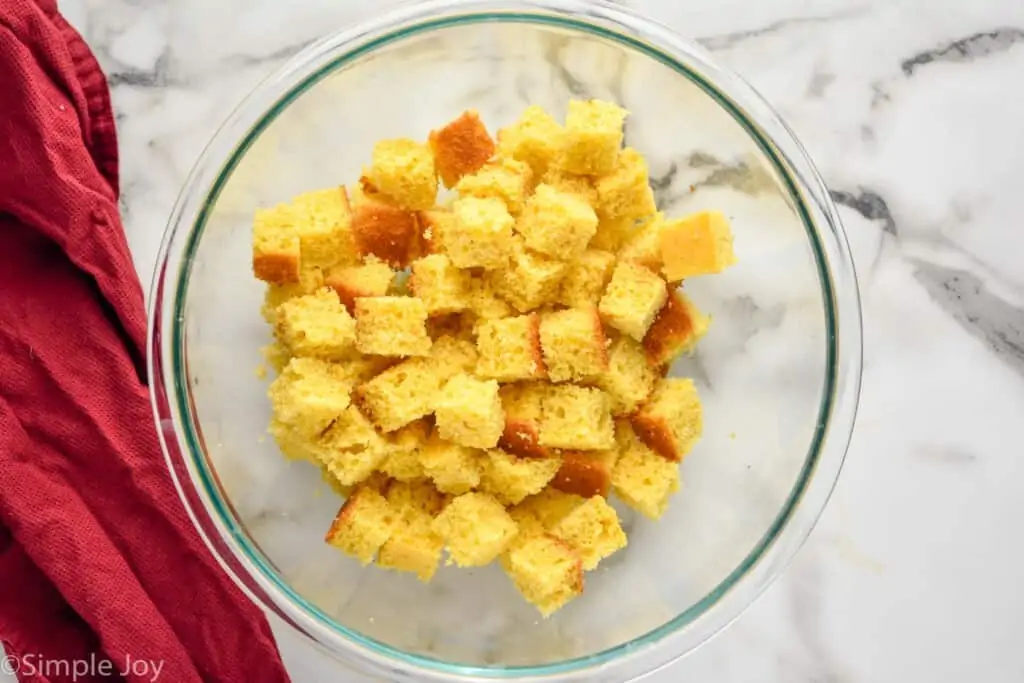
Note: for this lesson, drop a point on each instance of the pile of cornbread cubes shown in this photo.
(476, 375)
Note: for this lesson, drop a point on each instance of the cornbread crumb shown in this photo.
(586, 473)
(671, 420)
(468, 412)
(475, 528)
(480, 233)
(372, 278)
(511, 479)
(509, 349)
(461, 147)
(400, 394)
(441, 286)
(557, 223)
(642, 479)
(547, 571)
(574, 345)
(386, 232)
(630, 378)
(276, 252)
(676, 329)
(364, 523)
(403, 169)
(593, 136)
(392, 326)
(316, 325)
(308, 395)
(593, 530)
(576, 418)
(535, 138)
(632, 300)
(454, 469)
(586, 279)
(700, 244)
(626, 191)
(522, 404)
(506, 179)
(324, 223)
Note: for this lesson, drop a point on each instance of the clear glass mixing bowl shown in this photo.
(779, 371)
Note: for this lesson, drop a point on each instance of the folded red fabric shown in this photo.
(102, 576)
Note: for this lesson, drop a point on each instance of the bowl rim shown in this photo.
(181, 437)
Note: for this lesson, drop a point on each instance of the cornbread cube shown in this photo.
(468, 412)
(593, 136)
(389, 233)
(593, 530)
(293, 446)
(442, 287)
(414, 498)
(644, 246)
(402, 452)
(433, 225)
(535, 138)
(480, 234)
(372, 278)
(351, 449)
(629, 379)
(400, 394)
(700, 244)
(453, 468)
(511, 479)
(364, 523)
(626, 191)
(276, 251)
(485, 302)
(392, 326)
(506, 179)
(509, 349)
(450, 356)
(547, 571)
(316, 325)
(358, 369)
(311, 278)
(529, 280)
(461, 147)
(586, 279)
(613, 233)
(671, 420)
(529, 527)
(403, 169)
(475, 528)
(632, 299)
(276, 355)
(413, 547)
(522, 405)
(324, 223)
(574, 344)
(642, 479)
(570, 183)
(557, 223)
(337, 487)
(576, 418)
(548, 507)
(676, 329)
(308, 395)
(586, 474)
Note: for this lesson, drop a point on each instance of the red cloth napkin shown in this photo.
(98, 559)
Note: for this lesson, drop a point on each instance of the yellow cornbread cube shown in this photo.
(671, 420)
(511, 479)
(364, 523)
(613, 233)
(522, 405)
(441, 286)
(593, 136)
(644, 246)
(316, 325)
(433, 224)
(546, 570)
(276, 252)
(450, 356)
(417, 497)
(324, 223)
(350, 449)
(413, 547)
(586, 278)
(308, 395)
(576, 418)
(630, 378)
(403, 170)
(593, 529)
(626, 191)
(529, 280)
(454, 469)
(402, 460)
(557, 223)
(580, 185)
(573, 344)
(392, 326)
(548, 507)
(485, 302)
(480, 233)
(509, 349)
(372, 278)
(468, 412)
(311, 278)
(535, 138)
(506, 179)
(675, 330)
(475, 528)
(400, 394)
(700, 244)
(632, 300)
(642, 479)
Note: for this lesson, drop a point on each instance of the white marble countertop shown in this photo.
(913, 111)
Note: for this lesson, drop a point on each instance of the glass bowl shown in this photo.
(778, 372)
